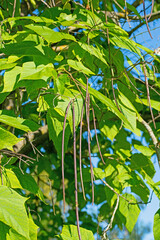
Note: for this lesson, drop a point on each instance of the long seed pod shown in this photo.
(99, 149)
(75, 171)
(80, 154)
(89, 147)
(64, 124)
(148, 95)
(151, 10)
(115, 97)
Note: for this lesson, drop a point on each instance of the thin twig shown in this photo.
(111, 221)
(153, 137)
(10, 153)
(45, 3)
(119, 5)
(20, 159)
(131, 82)
(14, 8)
(75, 171)
(129, 202)
(53, 3)
(158, 116)
(148, 85)
(35, 149)
(145, 16)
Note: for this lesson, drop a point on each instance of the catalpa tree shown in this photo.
(78, 94)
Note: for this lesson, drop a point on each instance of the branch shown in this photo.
(153, 137)
(137, 3)
(111, 221)
(37, 138)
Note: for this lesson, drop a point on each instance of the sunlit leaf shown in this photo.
(69, 232)
(9, 201)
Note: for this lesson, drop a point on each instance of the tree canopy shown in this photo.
(79, 118)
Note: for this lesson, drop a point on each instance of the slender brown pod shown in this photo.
(80, 153)
(151, 10)
(114, 96)
(94, 123)
(89, 147)
(64, 124)
(75, 171)
(148, 95)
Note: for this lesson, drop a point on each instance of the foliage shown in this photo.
(76, 93)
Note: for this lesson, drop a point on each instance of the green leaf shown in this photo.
(26, 48)
(139, 187)
(67, 19)
(10, 179)
(61, 104)
(4, 229)
(128, 213)
(122, 146)
(27, 182)
(109, 169)
(154, 104)
(7, 139)
(156, 228)
(153, 185)
(114, 29)
(11, 78)
(13, 235)
(86, 175)
(55, 128)
(32, 228)
(15, 179)
(126, 43)
(142, 164)
(106, 101)
(33, 18)
(4, 64)
(90, 18)
(79, 67)
(31, 71)
(60, 83)
(16, 122)
(129, 112)
(93, 51)
(144, 150)
(11, 201)
(50, 35)
(69, 232)
(108, 127)
(98, 173)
